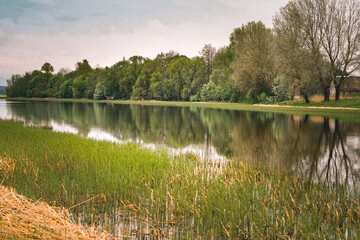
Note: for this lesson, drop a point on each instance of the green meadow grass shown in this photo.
(178, 196)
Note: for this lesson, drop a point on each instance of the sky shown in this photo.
(63, 32)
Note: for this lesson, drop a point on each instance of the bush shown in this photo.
(281, 90)
(210, 92)
(99, 92)
(262, 97)
(195, 98)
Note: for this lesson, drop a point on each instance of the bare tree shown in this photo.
(298, 27)
(329, 31)
(341, 38)
(292, 54)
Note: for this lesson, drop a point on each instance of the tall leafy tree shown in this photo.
(208, 54)
(141, 89)
(133, 71)
(38, 85)
(254, 65)
(47, 68)
(18, 85)
(54, 84)
(186, 75)
(79, 87)
(83, 67)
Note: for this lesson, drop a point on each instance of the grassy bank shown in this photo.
(2, 97)
(343, 103)
(111, 184)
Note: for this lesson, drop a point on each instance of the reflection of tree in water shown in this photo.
(333, 160)
(173, 126)
(317, 150)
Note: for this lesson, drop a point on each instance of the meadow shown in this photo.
(343, 103)
(129, 190)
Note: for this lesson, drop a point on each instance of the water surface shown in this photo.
(315, 147)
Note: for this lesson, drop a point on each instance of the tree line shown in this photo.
(312, 45)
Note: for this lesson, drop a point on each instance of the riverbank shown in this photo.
(132, 189)
(348, 103)
(344, 105)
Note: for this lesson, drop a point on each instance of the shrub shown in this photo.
(281, 89)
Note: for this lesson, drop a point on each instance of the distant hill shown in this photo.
(2, 90)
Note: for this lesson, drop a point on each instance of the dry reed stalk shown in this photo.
(21, 218)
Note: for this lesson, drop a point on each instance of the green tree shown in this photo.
(187, 76)
(79, 87)
(47, 68)
(141, 89)
(133, 71)
(111, 83)
(254, 65)
(83, 67)
(54, 84)
(157, 86)
(38, 85)
(18, 85)
(66, 89)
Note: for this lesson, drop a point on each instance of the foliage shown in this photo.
(281, 89)
(47, 68)
(55, 83)
(66, 90)
(210, 92)
(254, 66)
(99, 93)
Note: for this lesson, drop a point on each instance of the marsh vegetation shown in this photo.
(127, 189)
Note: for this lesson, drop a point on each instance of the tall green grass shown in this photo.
(109, 184)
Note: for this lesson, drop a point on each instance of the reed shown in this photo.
(130, 190)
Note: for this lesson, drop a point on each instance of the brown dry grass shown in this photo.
(21, 218)
(320, 98)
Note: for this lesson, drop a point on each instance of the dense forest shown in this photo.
(312, 45)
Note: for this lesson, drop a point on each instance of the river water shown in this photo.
(315, 147)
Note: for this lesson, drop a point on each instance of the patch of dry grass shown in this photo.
(21, 218)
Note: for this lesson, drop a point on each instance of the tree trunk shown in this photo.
(306, 98)
(326, 94)
(337, 92)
